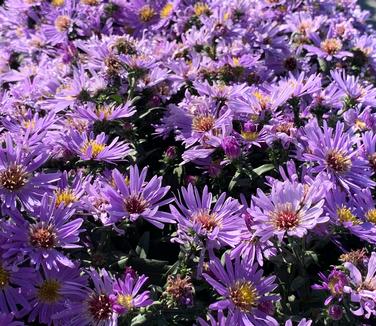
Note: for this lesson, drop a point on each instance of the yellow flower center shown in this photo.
(146, 13)
(201, 8)
(96, 148)
(125, 301)
(244, 295)
(331, 46)
(203, 123)
(262, 99)
(13, 178)
(90, 2)
(65, 196)
(332, 286)
(58, 3)
(62, 23)
(285, 217)
(4, 278)
(28, 124)
(166, 10)
(361, 125)
(338, 161)
(235, 61)
(345, 215)
(103, 111)
(371, 215)
(208, 221)
(48, 291)
(250, 135)
(43, 236)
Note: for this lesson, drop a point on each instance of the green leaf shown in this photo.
(297, 283)
(122, 262)
(138, 320)
(263, 169)
(143, 245)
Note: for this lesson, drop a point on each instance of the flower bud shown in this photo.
(231, 147)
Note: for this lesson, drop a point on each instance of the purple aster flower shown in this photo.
(59, 23)
(197, 119)
(252, 135)
(134, 198)
(353, 90)
(126, 295)
(96, 201)
(243, 289)
(354, 214)
(360, 119)
(201, 222)
(95, 306)
(7, 319)
(303, 322)
(52, 290)
(220, 320)
(330, 48)
(70, 192)
(369, 148)
(333, 153)
(40, 237)
(289, 209)
(250, 245)
(363, 291)
(104, 112)
(334, 283)
(140, 15)
(18, 179)
(15, 283)
(90, 147)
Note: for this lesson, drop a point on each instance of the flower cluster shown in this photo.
(186, 162)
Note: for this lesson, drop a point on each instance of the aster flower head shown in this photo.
(52, 289)
(40, 238)
(91, 147)
(95, 306)
(369, 149)
(289, 209)
(353, 91)
(220, 320)
(15, 283)
(70, 192)
(363, 289)
(200, 219)
(303, 322)
(330, 48)
(354, 214)
(243, 289)
(250, 245)
(18, 180)
(126, 294)
(334, 283)
(133, 197)
(105, 112)
(332, 152)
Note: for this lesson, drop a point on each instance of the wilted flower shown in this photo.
(179, 290)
